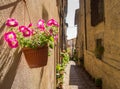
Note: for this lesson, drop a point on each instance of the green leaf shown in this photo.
(51, 39)
(51, 45)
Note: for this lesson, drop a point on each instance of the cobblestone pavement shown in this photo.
(76, 78)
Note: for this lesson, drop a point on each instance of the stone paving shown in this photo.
(76, 78)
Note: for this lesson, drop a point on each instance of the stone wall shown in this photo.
(71, 46)
(108, 30)
(14, 71)
(80, 29)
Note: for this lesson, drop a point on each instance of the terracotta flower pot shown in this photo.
(36, 57)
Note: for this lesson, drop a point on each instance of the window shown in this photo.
(99, 50)
(97, 12)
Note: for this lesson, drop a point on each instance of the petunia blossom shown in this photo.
(30, 25)
(56, 23)
(51, 32)
(9, 35)
(52, 22)
(11, 22)
(22, 28)
(56, 37)
(41, 25)
(13, 43)
(31, 31)
(27, 32)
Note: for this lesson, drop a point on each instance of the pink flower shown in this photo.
(51, 32)
(41, 25)
(52, 22)
(22, 28)
(56, 24)
(30, 25)
(56, 37)
(31, 31)
(9, 35)
(11, 22)
(13, 43)
(27, 32)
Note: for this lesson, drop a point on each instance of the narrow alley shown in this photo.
(59, 44)
(77, 78)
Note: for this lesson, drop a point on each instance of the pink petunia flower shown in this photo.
(13, 43)
(22, 28)
(51, 32)
(9, 35)
(30, 25)
(11, 22)
(31, 31)
(56, 37)
(41, 25)
(27, 32)
(56, 23)
(52, 22)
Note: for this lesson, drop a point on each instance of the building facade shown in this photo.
(79, 44)
(99, 35)
(71, 46)
(63, 5)
(62, 11)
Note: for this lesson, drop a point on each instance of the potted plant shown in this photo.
(64, 57)
(98, 83)
(59, 76)
(34, 41)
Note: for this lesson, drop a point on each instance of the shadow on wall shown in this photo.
(44, 14)
(10, 5)
(8, 68)
(14, 5)
(9, 58)
(41, 76)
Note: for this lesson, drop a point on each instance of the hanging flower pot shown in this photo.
(34, 41)
(36, 57)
